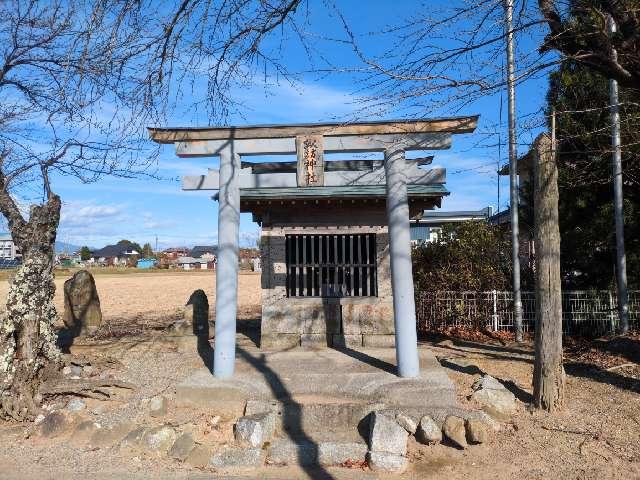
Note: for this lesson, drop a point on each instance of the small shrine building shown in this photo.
(335, 236)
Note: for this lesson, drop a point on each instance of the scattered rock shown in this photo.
(106, 437)
(255, 429)
(158, 406)
(237, 458)
(332, 454)
(84, 432)
(66, 370)
(199, 456)
(159, 439)
(454, 430)
(387, 462)
(88, 371)
(82, 312)
(182, 447)
(406, 422)
(428, 431)
(386, 435)
(98, 409)
(76, 370)
(132, 442)
(53, 425)
(76, 405)
(494, 397)
(477, 431)
(38, 420)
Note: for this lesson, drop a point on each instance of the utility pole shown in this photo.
(621, 262)
(513, 172)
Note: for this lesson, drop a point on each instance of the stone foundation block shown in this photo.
(379, 341)
(279, 341)
(347, 341)
(314, 341)
(368, 318)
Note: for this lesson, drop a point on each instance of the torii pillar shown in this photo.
(224, 353)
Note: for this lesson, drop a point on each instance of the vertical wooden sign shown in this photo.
(310, 161)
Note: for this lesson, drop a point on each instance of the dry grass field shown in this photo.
(154, 295)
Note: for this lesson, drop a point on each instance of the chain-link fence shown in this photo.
(585, 312)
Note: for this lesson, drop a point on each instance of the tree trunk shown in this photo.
(548, 372)
(28, 351)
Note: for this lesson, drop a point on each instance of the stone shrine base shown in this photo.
(358, 376)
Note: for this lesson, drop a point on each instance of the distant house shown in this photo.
(190, 263)
(8, 249)
(175, 252)
(120, 254)
(429, 227)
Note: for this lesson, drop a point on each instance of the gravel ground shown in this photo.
(597, 436)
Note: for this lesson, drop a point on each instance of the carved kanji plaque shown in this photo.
(310, 161)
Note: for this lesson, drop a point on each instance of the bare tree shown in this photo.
(79, 81)
(66, 69)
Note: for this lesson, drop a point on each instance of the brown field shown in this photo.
(155, 294)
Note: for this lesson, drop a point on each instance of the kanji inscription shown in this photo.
(310, 161)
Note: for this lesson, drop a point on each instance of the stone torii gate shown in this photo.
(310, 142)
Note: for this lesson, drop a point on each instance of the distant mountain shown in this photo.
(63, 247)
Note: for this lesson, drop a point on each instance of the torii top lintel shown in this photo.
(383, 127)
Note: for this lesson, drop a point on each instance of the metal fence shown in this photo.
(584, 312)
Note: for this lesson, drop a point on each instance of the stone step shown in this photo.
(310, 417)
(325, 450)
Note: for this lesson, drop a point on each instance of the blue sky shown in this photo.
(143, 209)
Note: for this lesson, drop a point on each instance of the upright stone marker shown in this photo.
(82, 312)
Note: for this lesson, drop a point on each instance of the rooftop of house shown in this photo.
(117, 250)
(200, 250)
(437, 217)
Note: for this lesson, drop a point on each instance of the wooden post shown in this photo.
(548, 372)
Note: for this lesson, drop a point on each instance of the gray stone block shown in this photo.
(159, 439)
(256, 429)
(158, 406)
(182, 447)
(279, 341)
(428, 431)
(477, 430)
(387, 462)
(386, 435)
(289, 452)
(237, 458)
(454, 430)
(347, 341)
(368, 318)
(406, 422)
(379, 341)
(314, 341)
(338, 453)
(494, 397)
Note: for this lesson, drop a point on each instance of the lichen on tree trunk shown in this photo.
(548, 372)
(28, 352)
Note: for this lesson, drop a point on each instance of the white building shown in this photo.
(8, 249)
